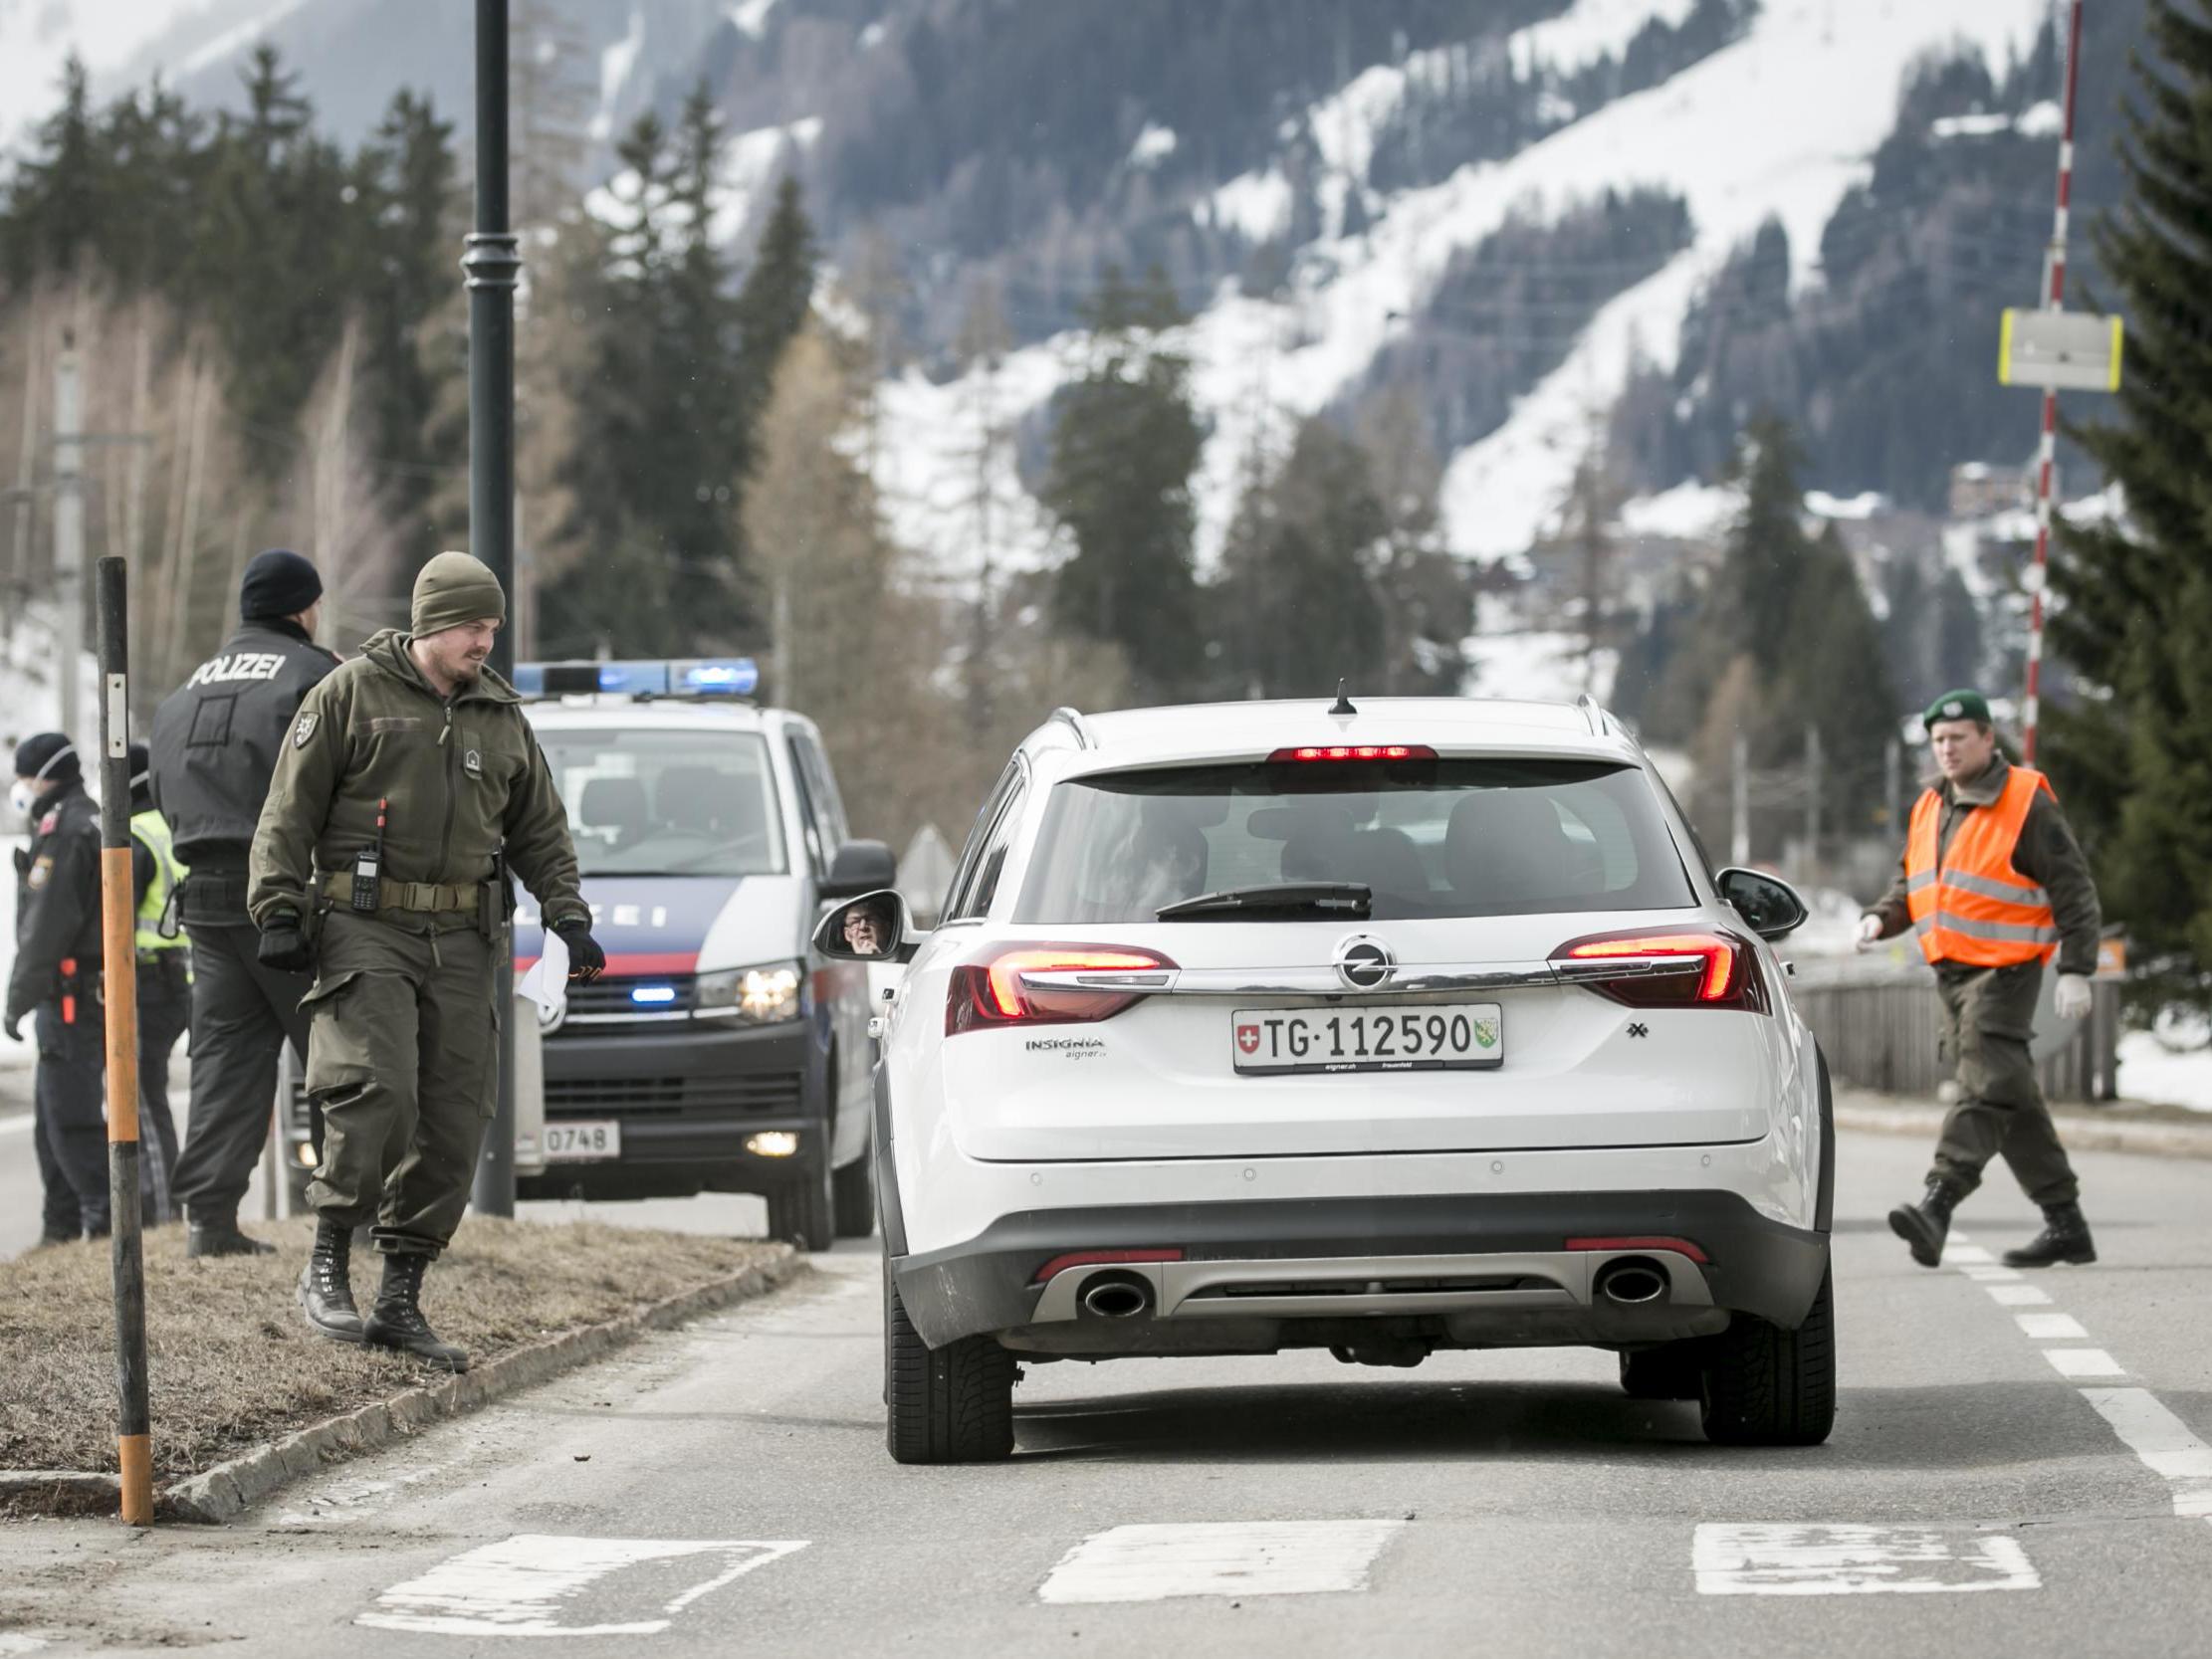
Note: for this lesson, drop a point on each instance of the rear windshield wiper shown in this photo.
(1326, 898)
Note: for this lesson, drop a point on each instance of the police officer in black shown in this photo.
(215, 744)
(56, 982)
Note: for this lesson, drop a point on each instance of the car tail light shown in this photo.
(1355, 751)
(1695, 969)
(1102, 1258)
(990, 993)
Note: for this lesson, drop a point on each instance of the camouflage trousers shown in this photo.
(403, 1060)
(1988, 1018)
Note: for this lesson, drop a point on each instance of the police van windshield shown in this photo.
(647, 801)
(1433, 838)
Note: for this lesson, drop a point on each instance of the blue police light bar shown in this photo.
(653, 993)
(696, 677)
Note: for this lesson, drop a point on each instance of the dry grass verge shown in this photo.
(232, 1361)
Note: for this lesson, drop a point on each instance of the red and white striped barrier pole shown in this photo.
(2047, 452)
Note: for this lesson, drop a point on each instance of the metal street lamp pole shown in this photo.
(493, 264)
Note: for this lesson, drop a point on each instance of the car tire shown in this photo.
(1763, 1386)
(1670, 1373)
(803, 1210)
(852, 1196)
(950, 1404)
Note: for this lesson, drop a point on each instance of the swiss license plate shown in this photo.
(582, 1140)
(1436, 1036)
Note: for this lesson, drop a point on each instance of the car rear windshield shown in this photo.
(655, 801)
(1434, 838)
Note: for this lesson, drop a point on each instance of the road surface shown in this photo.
(2010, 1475)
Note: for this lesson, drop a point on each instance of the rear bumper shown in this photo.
(1425, 1244)
(686, 1102)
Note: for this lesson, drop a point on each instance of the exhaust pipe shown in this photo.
(1115, 1296)
(1632, 1282)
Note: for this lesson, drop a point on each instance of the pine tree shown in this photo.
(775, 296)
(1296, 609)
(2133, 761)
(1125, 442)
(53, 218)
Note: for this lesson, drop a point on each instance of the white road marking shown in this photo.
(1220, 1558)
(1961, 1255)
(15, 1641)
(1764, 1560)
(522, 1585)
(2163, 1442)
(2019, 1296)
(1991, 1275)
(2052, 1328)
(2084, 1361)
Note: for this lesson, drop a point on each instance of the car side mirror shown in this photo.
(873, 927)
(860, 867)
(1769, 905)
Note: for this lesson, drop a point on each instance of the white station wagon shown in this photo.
(1384, 1030)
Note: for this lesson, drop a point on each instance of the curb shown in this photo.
(224, 1491)
(2079, 1133)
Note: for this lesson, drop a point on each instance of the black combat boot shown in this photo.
(218, 1235)
(2064, 1238)
(1926, 1225)
(396, 1320)
(326, 1289)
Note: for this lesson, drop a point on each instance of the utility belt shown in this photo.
(81, 997)
(421, 897)
(210, 898)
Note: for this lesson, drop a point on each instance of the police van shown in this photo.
(718, 1052)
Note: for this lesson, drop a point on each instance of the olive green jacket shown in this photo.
(2047, 854)
(464, 778)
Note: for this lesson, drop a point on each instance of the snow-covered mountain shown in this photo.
(1337, 192)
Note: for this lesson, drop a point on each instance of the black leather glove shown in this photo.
(586, 961)
(13, 1025)
(283, 947)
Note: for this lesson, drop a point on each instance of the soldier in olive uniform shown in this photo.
(410, 774)
(56, 979)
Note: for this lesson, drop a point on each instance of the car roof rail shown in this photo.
(1592, 713)
(1073, 719)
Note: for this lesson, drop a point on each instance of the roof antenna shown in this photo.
(1343, 703)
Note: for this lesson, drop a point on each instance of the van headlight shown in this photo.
(757, 995)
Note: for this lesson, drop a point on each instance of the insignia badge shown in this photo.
(47, 823)
(1247, 1038)
(1485, 1033)
(1954, 708)
(473, 764)
(303, 730)
(41, 870)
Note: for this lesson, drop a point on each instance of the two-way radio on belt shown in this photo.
(368, 863)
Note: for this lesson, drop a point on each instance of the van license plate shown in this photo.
(582, 1140)
(1438, 1036)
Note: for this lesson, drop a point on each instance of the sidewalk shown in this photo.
(2122, 1126)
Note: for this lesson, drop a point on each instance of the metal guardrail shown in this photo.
(1880, 1024)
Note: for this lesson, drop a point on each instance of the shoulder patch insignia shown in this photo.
(303, 730)
(47, 823)
(42, 868)
(473, 764)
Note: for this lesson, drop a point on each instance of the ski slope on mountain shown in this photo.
(1779, 124)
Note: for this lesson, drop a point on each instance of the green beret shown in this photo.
(1957, 705)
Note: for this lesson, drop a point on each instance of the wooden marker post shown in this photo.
(119, 978)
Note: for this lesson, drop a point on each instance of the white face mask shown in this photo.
(22, 795)
(21, 798)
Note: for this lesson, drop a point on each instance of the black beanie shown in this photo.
(278, 583)
(49, 757)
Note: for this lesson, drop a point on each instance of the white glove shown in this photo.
(2073, 996)
(1870, 933)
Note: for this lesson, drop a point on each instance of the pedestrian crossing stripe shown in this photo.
(1219, 1558)
(1830, 1558)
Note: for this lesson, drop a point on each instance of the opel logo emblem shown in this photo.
(1365, 963)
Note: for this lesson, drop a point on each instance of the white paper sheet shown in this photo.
(546, 982)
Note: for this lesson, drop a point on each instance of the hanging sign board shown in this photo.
(2059, 351)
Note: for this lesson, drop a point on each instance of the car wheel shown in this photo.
(852, 1196)
(950, 1404)
(1662, 1373)
(1767, 1386)
(802, 1209)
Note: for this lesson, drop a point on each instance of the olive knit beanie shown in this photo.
(454, 588)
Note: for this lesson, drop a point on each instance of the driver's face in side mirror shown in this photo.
(867, 931)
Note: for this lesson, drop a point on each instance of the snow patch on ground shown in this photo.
(1690, 512)
(751, 164)
(1866, 504)
(615, 66)
(751, 17)
(1256, 206)
(2151, 1073)
(1152, 146)
(1589, 31)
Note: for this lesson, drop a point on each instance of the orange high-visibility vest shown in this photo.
(1971, 906)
